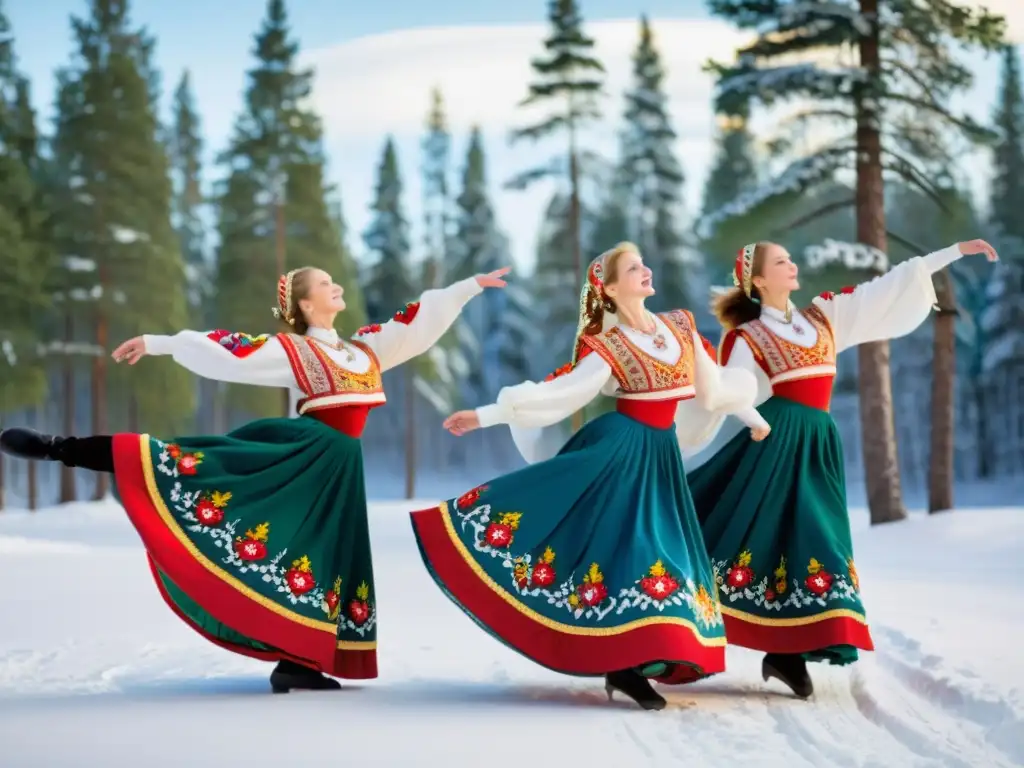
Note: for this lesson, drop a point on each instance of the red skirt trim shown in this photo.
(561, 647)
(310, 642)
(812, 634)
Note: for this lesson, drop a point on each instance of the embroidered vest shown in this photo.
(783, 360)
(326, 384)
(641, 375)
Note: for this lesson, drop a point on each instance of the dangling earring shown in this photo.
(755, 300)
(607, 306)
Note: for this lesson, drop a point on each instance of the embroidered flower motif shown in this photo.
(521, 572)
(558, 372)
(253, 546)
(659, 585)
(367, 329)
(407, 315)
(741, 574)
(500, 534)
(854, 578)
(359, 609)
(469, 498)
(332, 600)
(781, 583)
(818, 581)
(210, 507)
(300, 576)
(705, 607)
(592, 592)
(845, 291)
(544, 572)
(238, 344)
(188, 463)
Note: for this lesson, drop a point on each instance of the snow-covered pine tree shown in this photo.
(904, 62)
(652, 175)
(1002, 322)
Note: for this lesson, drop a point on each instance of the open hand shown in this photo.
(493, 279)
(757, 435)
(972, 247)
(130, 351)
(461, 422)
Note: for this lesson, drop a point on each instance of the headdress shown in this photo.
(284, 297)
(743, 272)
(594, 284)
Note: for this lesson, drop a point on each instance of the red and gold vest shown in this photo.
(334, 395)
(796, 372)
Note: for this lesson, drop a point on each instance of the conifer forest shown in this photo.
(114, 224)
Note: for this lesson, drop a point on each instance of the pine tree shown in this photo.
(1003, 318)
(23, 267)
(570, 79)
(115, 213)
(273, 210)
(868, 99)
(437, 201)
(186, 149)
(652, 174)
(387, 287)
(735, 170)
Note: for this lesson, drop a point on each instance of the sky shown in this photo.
(375, 68)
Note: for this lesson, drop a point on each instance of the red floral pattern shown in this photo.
(659, 584)
(740, 574)
(209, 509)
(253, 546)
(818, 581)
(501, 533)
(407, 315)
(845, 291)
(469, 498)
(299, 577)
(359, 608)
(367, 329)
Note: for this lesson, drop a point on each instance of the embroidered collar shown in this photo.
(324, 335)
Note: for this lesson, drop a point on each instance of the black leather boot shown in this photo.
(634, 685)
(28, 444)
(790, 669)
(288, 675)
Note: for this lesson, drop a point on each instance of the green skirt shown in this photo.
(259, 539)
(776, 526)
(588, 563)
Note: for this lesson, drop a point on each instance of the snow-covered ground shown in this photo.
(96, 671)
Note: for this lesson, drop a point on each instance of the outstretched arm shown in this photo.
(731, 389)
(895, 303)
(219, 355)
(538, 404)
(419, 326)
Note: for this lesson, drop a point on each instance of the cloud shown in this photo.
(378, 85)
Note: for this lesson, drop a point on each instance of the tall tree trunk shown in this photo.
(279, 252)
(878, 430)
(983, 451)
(940, 464)
(574, 231)
(68, 492)
(99, 394)
(410, 433)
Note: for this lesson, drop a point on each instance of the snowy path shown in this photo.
(89, 652)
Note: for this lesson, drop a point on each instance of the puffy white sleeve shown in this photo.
(419, 326)
(236, 358)
(890, 306)
(720, 392)
(541, 404)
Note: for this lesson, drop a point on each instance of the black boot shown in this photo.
(26, 443)
(635, 686)
(789, 669)
(288, 675)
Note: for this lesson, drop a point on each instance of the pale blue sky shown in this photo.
(375, 68)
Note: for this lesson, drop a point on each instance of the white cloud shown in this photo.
(377, 85)
(373, 86)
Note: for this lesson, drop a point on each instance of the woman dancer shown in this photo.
(774, 514)
(259, 539)
(591, 563)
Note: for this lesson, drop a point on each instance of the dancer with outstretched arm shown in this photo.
(259, 539)
(774, 513)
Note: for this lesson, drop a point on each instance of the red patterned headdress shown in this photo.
(743, 272)
(284, 298)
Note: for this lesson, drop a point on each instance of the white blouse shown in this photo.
(530, 406)
(268, 366)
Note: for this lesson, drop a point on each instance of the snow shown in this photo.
(88, 647)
